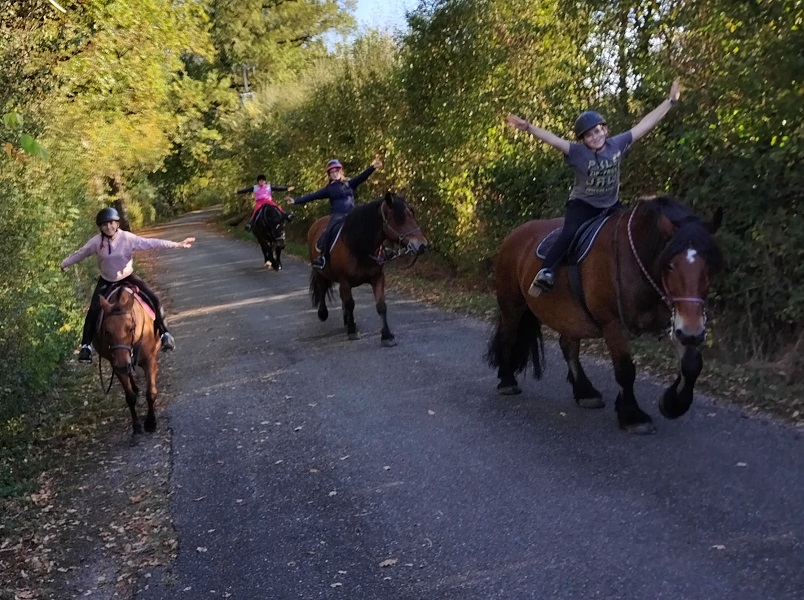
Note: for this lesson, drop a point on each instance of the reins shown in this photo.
(669, 300)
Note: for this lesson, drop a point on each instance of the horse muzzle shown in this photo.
(126, 368)
(416, 247)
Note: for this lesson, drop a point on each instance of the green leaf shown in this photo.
(13, 120)
(31, 146)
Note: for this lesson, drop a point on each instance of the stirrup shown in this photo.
(543, 282)
(319, 262)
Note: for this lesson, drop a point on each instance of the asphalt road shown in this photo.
(307, 466)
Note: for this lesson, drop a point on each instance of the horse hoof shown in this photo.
(388, 343)
(278, 268)
(640, 428)
(509, 390)
(150, 427)
(353, 336)
(590, 403)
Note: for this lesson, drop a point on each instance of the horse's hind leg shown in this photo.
(586, 396)
(378, 286)
(348, 303)
(505, 349)
(630, 417)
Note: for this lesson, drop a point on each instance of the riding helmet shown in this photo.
(334, 164)
(587, 121)
(106, 215)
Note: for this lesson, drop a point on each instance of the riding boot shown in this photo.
(160, 324)
(319, 262)
(543, 282)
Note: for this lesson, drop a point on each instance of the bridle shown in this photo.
(131, 348)
(669, 300)
(392, 234)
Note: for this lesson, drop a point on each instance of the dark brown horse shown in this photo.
(357, 257)
(649, 268)
(127, 339)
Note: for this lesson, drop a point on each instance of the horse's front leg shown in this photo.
(276, 260)
(378, 286)
(267, 253)
(586, 396)
(630, 417)
(677, 398)
(130, 389)
(150, 367)
(348, 307)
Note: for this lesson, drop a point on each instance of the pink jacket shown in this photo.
(115, 254)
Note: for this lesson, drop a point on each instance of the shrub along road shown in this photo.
(308, 466)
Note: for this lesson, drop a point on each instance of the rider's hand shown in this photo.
(187, 242)
(291, 188)
(377, 163)
(675, 90)
(289, 200)
(517, 122)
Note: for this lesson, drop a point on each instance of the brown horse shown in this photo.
(357, 257)
(127, 339)
(650, 267)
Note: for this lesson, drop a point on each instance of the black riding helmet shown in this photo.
(105, 215)
(586, 121)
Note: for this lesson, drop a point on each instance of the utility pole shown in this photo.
(246, 95)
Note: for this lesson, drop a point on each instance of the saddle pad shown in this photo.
(581, 245)
(141, 298)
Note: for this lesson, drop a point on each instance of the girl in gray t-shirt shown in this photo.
(596, 162)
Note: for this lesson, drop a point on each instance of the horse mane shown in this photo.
(362, 228)
(690, 232)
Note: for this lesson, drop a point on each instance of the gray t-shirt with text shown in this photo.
(597, 174)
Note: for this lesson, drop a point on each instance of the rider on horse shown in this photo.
(114, 249)
(341, 194)
(263, 195)
(596, 162)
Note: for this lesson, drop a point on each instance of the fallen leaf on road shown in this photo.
(389, 562)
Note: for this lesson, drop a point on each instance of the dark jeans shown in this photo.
(325, 241)
(578, 213)
(102, 287)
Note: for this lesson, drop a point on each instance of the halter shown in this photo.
(132, 352)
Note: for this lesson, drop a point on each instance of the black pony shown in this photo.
(269, 229)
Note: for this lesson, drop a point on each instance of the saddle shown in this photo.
(581, 244)
(134, 291)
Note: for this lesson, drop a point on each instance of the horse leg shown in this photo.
(277, 263)
(630, 417)
(586, 396)
(348, 303)
(378, 286)
(130, 389)
(150, 367)
(677, 398)
(504, 351)
(266, 251)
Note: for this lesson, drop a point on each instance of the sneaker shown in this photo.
(85, 354)
(319, 262)
(168, 343)
(289, 217)
(543, 282)
(247, 227)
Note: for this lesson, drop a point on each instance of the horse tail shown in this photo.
(527, 344)
(320, 289)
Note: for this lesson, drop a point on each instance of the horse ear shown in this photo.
(126, 300)
(105, 304)
(716, 221)
(389, 197)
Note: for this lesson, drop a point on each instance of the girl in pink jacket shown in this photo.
(114, 249)
(263, 194)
